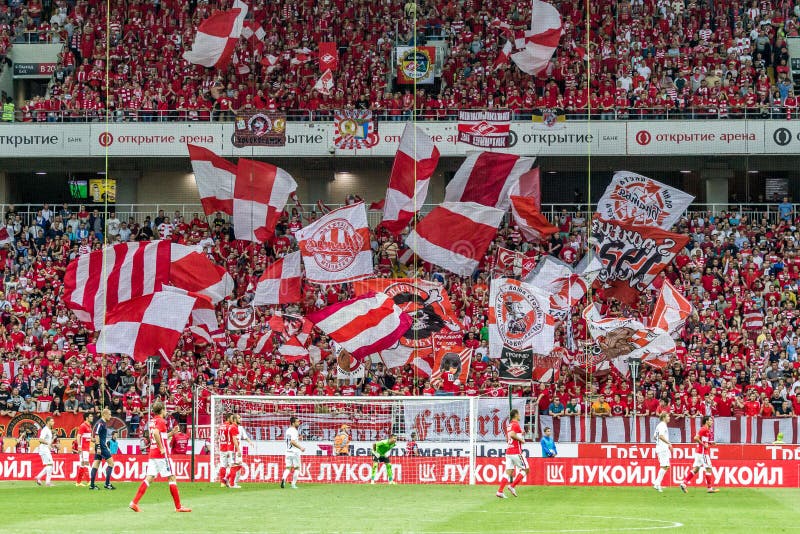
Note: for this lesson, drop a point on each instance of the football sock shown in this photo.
(295, 474)
(709, 480)
(222, 475)
(39, 476)
(140, 492)
(109, 469)
(689, 477)
(176, 498)
(48, 473)
(286, 473)
(238, 474)
(374, 470)
(389, 472)
(660, 476)
(232, 474)
(79, 478)
(517, 480)
(93, 476)
(503, 481)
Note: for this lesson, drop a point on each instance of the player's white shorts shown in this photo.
(47, 458)
(703, 461)
(85, 459)
(236, 458)
(516, 461)
(293, 460)
(664, 456)
(225, 459)
(159, 467)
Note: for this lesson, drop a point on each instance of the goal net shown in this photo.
(438, 438)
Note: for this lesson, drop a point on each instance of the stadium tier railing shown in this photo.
(775, 112)
(752, 211)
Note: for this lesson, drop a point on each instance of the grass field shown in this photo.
(383, 509)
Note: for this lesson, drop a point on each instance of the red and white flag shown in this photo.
(753, 321)
(281, 282)
(566, 286)
(195, 273)
(487, 178)
(241, 318)
(146, 326)
(635, 199)
(328, 56)
(513, 263)
(414, 164)
(5, 237)
(216, 39)
(533, 225)
(325, 83)
(215, 177)
(530, 186)
(259, 196)
(455, 235)
(293, 350)
(504, 55)
(252, 31)
(270, 62)
(241, 66)
(98, 281)
(539, 43)
(364, 325)
(336, 247)
(671, 309)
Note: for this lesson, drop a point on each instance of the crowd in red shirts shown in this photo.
(649, 59)
(737, 356)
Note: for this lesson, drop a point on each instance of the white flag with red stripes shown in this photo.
(538, 44)
(414, 164)
(455, 235)
(259, 196)
(671, 309)
(336, 247)
(195, 273)
(487, 178)
(216, 39)
(364, 325)
(215, 177)
(146, 326)
(293, 350)
(325, 83)
(281, 282)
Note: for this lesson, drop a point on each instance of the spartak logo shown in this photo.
(328, 58)
(483, 128)
(516, 364)
(640, 202)
(427, 309)
(519, 316)
(335, 245)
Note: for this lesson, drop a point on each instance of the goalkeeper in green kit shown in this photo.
(380, 454)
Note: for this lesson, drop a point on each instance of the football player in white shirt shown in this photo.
(663, 449)
(293, 450)
(45, 442)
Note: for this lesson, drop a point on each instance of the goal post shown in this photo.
(449, 432)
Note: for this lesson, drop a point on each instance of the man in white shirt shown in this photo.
(293, 450)
(663, 449)
(45, 442)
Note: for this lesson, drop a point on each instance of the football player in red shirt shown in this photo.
(224, 450)
(702, 455)
(235, 445)
(158, 460)
(84, 448)
(515, 458)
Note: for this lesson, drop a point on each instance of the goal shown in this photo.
(438, 438)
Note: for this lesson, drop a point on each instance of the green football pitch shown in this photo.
(383, 509)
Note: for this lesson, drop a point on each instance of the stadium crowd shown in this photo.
(653, 59)
(736, 356)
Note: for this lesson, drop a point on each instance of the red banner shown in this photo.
(328, 56)
(66, 424)
(433, 470)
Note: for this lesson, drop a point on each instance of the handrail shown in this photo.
(443, 115)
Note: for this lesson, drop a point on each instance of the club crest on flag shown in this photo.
(637, 199)
(241, 318)
(335, 245)
(354, 129)
(519, 316)
(415, 64)
(516, 365)
(259, 129)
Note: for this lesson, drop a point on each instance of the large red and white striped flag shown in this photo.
(532, 224)
(538, 45)
(281, 282)
(215, 177)
(146, 326)
(671, 309)
(259, 196)
(364, 325)
(216, 39)
(504, 55)
(455, 235)
(487, 178)
(98, 281)
(336, 247)
(293, 350)
(414, 163)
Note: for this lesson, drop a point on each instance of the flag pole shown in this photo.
(194, 426)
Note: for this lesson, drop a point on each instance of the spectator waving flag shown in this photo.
(215, 177)
(364, 325)
(671, 309)
(414, 163)
(533, 225)
(503, 56)
(146, 326)
(216, 39)
(538, 45)
(336, 247)
(5, 237)
(455, 235)
(259, 196)
(325, 83)
(281, 282)
(487, 178)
